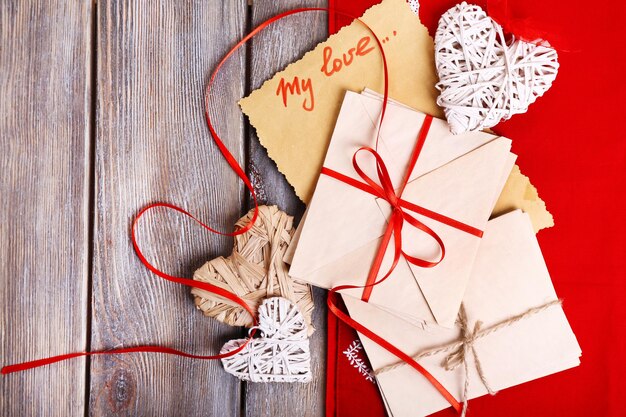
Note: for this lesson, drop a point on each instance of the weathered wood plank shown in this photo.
(271, 51)
(44, 183)
(152, 144)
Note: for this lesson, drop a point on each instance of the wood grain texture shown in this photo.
(44, 183)
(154, 59)
(279, 45)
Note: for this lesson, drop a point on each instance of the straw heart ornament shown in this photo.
(483, 78)
(254, 271)
(282, 352)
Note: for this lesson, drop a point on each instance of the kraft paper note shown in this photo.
(294, 121)
(519, 193)
(295, 111)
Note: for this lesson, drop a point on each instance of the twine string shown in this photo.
(460, 349)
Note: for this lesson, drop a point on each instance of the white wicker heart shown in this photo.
(282, 352)
(483, 78)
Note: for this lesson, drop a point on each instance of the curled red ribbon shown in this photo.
(394, 229)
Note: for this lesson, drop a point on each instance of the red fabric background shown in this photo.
(572, 144)
(349, 394)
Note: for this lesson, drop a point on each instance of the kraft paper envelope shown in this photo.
(508, 278)
(459, 176)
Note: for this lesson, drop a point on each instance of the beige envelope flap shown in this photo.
(353, 270)
(399, 134)
(472, 184)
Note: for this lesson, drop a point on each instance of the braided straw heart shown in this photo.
(254, 271)
(484, 79)
(282, 352)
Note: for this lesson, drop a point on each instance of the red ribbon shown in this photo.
(386, 191)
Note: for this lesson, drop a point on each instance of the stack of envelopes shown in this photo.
(493, 279)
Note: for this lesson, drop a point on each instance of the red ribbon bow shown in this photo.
(400, 210)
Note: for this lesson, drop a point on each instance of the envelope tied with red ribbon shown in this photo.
(448, 196)
(399, 215)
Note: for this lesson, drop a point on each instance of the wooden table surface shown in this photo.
(101, 113)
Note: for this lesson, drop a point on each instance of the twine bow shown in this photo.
(461, 348)
(459, 356)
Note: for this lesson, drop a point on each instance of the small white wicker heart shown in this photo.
(483, 78)
(282, 352)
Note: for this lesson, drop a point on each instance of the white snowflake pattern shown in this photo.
(415, 6)
(353, 353)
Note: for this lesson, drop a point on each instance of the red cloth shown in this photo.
(572, 145)
(350, 393)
